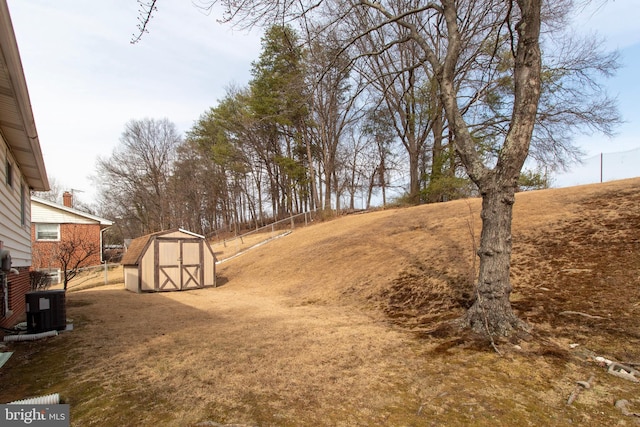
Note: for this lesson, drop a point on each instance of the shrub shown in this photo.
(39, 280)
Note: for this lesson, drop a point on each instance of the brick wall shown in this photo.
(83, 235)
(18, 286)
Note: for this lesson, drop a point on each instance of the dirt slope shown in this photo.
(341, 323)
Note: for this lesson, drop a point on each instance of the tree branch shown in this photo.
(146, 13)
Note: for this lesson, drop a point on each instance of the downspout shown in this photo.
(101, 243)
(30, 337)
(49, 399)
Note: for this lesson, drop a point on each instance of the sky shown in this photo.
(86, 80)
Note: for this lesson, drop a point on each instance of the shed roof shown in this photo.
(138, 245)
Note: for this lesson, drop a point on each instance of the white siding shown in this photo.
(147, 269)
(131, 279)
(16, 236)
(209, 265)
(46, 214)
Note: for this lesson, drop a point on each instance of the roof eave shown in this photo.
(102, 221)
(21, 136)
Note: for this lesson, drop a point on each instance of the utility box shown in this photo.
(46, 311)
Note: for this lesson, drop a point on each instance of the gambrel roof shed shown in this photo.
(172, 260)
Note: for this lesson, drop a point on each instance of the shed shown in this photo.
(172, 260)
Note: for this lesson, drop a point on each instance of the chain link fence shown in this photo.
(601, 168)
(234, 246)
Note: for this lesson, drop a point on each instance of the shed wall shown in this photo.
(131, 278)
(172, 261)
(209, 265)
(147, 269)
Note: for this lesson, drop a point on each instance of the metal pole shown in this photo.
(601, 159)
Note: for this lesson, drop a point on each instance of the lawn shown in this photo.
(350, 322)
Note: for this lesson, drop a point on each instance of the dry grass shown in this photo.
(346, 323)
(94, 278)
(227, 248)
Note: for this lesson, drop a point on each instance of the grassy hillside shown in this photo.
(575, 250)
(346, 322)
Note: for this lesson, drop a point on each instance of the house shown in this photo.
(22, 169)
(63, 235)
(171, 260)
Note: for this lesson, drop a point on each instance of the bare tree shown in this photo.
(134, 180)
(77, 249)
(403, 85)
(492, 312)
(378, 128)
(334, 107)
(196, 189)
(39, 280)
(74, 252)
(485, 58)
(470, 47)
(54, 195)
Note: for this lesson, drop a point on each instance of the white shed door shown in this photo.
(179, 264)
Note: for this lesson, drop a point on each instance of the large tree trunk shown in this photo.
(414, 175)
(491, 312)
(315, 199)
(437, 158)
(412, 141)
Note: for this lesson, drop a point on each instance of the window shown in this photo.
(47, 231)
(9, 173)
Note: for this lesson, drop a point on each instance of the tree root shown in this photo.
(581, 385)
(491, 325)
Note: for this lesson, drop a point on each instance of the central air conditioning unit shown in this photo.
(46, 311)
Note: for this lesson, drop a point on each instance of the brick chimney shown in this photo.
(67, 199)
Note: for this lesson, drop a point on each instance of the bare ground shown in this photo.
(346, 323)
